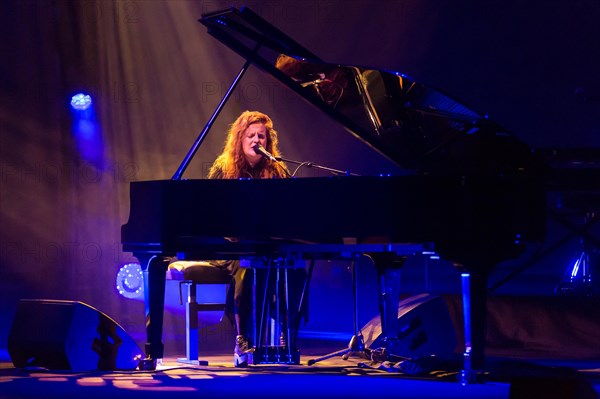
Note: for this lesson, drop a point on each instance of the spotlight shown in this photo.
(86, 129)
(81, 101)
(130, 281)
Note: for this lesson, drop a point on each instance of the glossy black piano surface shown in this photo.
(454, 213)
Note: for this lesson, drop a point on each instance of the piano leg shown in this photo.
(474, 301)
(154, 298)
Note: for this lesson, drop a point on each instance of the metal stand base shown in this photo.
(355, 346)
(194, 362)
(578, 278)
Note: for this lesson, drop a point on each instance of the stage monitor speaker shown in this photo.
(69, 335)
(424, 328)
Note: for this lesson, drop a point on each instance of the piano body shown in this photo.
(472, 192)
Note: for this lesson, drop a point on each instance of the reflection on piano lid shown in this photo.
(413, 125)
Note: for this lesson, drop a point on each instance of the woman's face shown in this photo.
(255, 133)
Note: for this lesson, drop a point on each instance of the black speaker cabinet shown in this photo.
(69, 335)
(424, 327)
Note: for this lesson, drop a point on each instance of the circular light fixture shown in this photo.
(130, 281)
(81, 101)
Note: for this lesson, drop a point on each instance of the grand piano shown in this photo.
(472, 192)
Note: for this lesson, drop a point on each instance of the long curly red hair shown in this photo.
(232, 164)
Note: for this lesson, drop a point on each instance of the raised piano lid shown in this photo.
(413, 125)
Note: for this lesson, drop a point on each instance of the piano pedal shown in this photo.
(274, 355)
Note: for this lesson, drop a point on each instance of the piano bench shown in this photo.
(207, 302)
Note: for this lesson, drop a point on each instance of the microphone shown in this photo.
(259, 149)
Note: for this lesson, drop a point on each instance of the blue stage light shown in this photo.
(81, 101)
(86, 129)
(130, 281)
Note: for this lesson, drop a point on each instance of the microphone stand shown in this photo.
(316, 166)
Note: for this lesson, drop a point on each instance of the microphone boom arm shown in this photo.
(316, 166)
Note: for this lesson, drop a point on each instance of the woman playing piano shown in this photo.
(249, 151)
(241, 158)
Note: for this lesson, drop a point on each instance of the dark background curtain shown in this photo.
(156, 76)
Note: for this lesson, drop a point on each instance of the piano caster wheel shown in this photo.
(146, 363)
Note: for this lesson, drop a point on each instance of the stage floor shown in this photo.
(335, 377)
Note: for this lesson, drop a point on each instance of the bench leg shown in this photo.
(191, 326)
